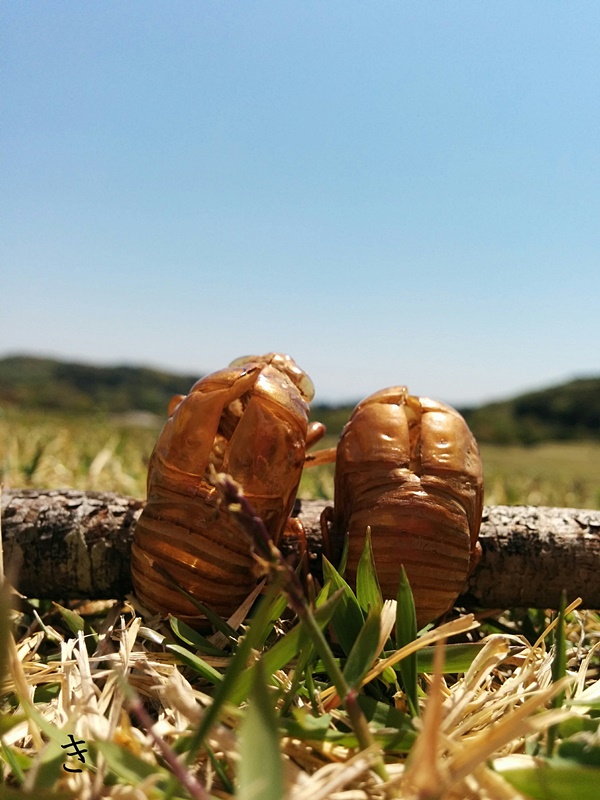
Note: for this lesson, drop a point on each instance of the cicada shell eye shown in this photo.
(297, 376)
(285, 364)
(243, 360)
(305, 385)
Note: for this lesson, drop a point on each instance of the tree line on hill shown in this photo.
(566, 412)
(570, 411)
(52, 385)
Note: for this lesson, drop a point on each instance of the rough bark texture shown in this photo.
(531, 553)
(65, 544)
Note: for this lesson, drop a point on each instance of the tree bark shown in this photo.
(67, 544)
(64, 544)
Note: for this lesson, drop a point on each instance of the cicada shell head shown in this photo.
(409, 468)
(249, 420)
(286, 366)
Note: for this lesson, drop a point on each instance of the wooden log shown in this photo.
(63, 544)
(67, 544)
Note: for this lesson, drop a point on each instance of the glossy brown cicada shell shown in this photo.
(409, 468)
(250, 421)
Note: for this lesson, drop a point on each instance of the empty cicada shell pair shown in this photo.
(408, 467)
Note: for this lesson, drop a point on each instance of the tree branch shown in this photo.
(65, 544)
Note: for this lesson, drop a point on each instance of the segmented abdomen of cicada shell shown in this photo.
(409, 468)
(250, 421)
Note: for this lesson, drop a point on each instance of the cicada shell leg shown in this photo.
(314, 433)
(326, 521)
(293, 540)
(174, 402)
(266, 451)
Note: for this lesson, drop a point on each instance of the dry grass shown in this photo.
(565, 474)
(50, 451)
(469, 725)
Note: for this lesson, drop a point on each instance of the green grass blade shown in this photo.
(550, 780)
(76, 624)
(348, 620)
(196, 663)
(220, 767)
(306, 657)
(576, 725)
(49, 766)
(285, 650)
(237, 666)
(368, 591)
(18, 762)
(391, 728)
(457, 657)
(193, 638)
(277, 607)
(302, 673)
(582, 748)
(73, 620)
(559, 668)
(46, 692)
(7, 722)
(382, 715)
(260, 771)
(49, 763)
(406, 632)
(306, 727)
(54, 734)
(341, 567)
(125, 765)
(364, 651)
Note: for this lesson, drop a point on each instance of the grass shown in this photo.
(303, 700)
(97, 453)
(563, 474)
(49, 451)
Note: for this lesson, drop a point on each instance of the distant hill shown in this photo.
(565, 412)
(45, 383)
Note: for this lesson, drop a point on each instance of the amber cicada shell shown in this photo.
(250, 421)
(409, 468)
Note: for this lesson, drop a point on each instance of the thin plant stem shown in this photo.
(271, 560)
(179, 770)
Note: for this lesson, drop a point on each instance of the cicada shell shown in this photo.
(409, 468)
(250, 421)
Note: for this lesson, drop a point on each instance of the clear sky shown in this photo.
(390, 191)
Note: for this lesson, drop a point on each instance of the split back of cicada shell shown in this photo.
(409, 468)
(250, 421)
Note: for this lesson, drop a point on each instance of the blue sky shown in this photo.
(391, 192)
